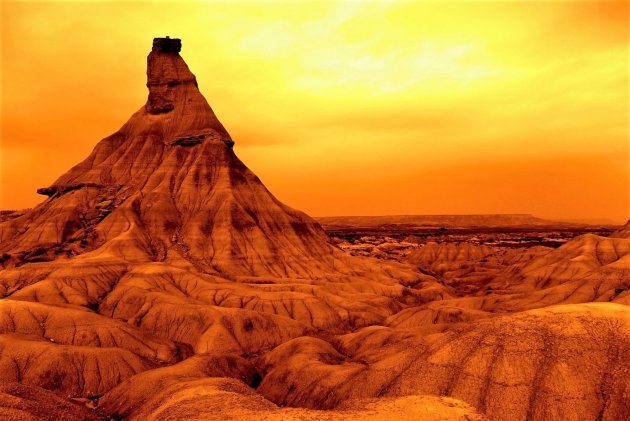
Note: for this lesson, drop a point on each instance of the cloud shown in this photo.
(365, 100)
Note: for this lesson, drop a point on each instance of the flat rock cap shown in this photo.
(167, 45)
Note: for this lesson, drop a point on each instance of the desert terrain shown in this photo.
(161, 280)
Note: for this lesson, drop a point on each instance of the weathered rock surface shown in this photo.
(206, 398)
(564, 362)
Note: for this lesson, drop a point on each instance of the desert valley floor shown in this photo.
(161, 280)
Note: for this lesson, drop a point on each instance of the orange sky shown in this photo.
(345, 107)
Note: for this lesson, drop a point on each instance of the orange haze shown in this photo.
(345, 107)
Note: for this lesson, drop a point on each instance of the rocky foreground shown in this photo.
(160, 279)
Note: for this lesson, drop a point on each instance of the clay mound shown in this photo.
(83, 280)
(575, 259)
(19, 402)
(434, 316)
(206, 398)
(526, 365)
(203, 327)
(521, 366)
(446, 257)
(468, 267)
(587, 268)
(149, 389)
(70, 326)
(68, 370)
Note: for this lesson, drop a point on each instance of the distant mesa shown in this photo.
(443, 221)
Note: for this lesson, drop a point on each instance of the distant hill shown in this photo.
(448, 221)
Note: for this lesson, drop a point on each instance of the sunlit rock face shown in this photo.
(160, 279)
